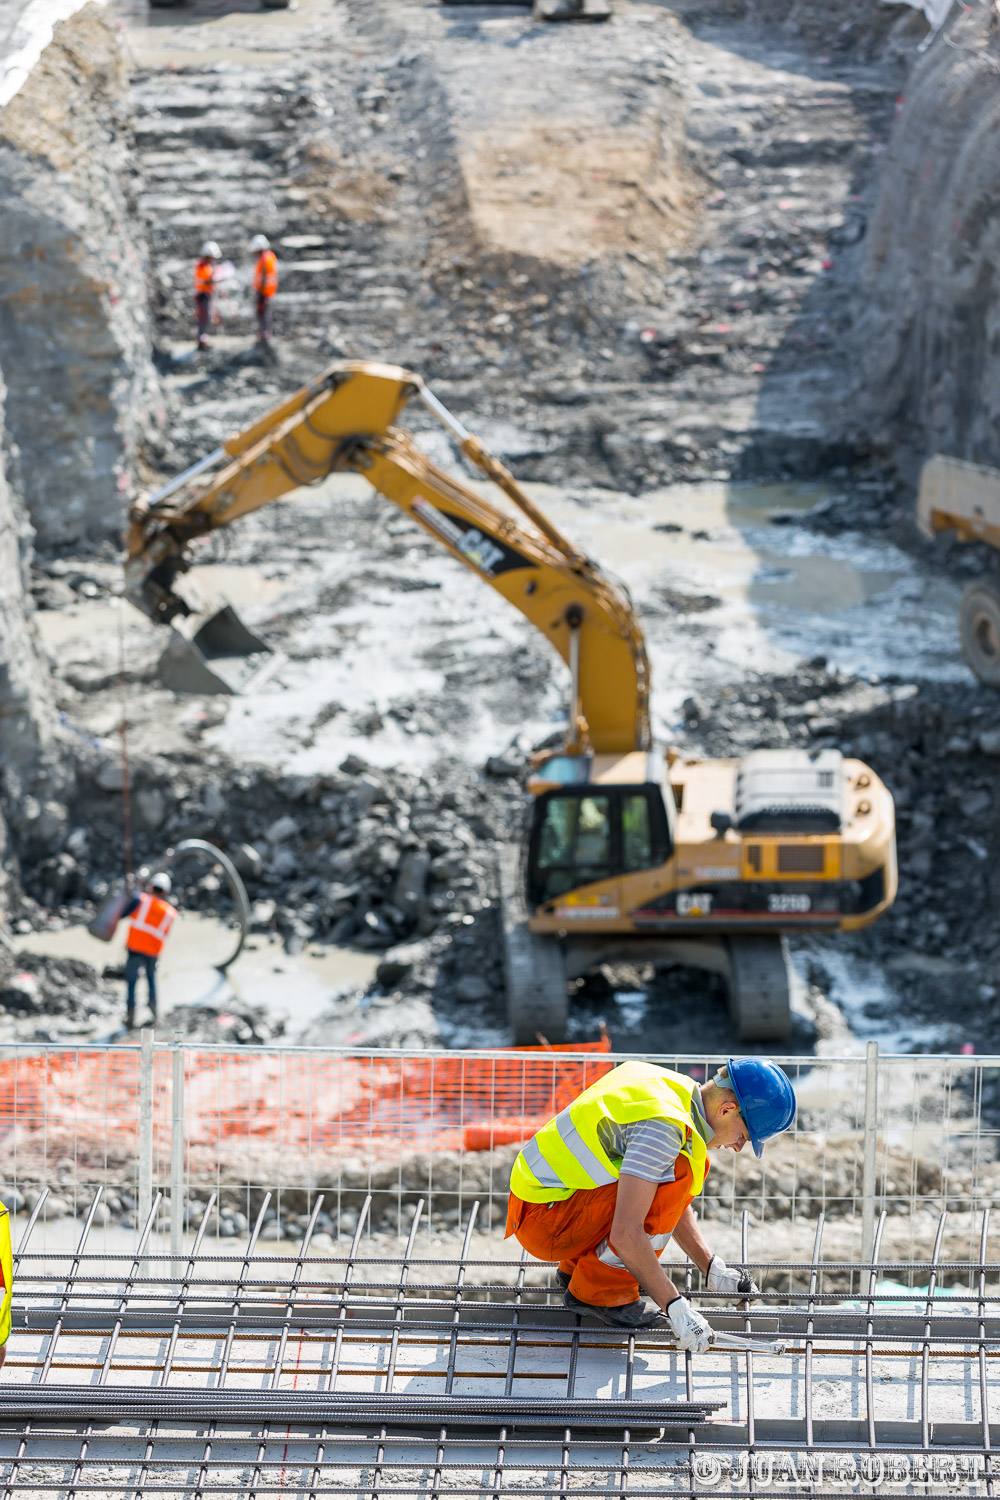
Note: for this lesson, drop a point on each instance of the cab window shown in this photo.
(574, 844)
(637, 839)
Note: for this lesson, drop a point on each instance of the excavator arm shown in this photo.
(346, 420)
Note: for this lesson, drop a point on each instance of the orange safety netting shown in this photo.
(449, 1102)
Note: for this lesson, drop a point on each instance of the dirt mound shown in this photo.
(569, 190)
(926, 334)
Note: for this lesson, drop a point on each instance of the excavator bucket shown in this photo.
(572, 10)
(549, 10)
(212, 653)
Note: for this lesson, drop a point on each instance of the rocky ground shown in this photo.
(817, 1172)
(677, 311)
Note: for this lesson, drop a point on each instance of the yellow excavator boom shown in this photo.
(345, 420)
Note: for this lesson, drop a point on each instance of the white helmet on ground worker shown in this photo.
(260, 242)
(211, 251)
(160, 883)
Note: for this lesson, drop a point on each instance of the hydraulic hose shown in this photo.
(236, 887)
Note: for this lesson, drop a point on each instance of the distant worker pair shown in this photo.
(605, 1185)
(207, 280)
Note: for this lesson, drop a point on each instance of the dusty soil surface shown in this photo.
(646, 311)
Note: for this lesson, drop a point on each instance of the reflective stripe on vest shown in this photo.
(566, 1154)
(265, 276)
(547, 1177)
(150, 925)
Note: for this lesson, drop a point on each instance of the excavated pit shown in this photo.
(687, 319)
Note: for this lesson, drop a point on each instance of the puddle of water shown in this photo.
(870, 1002)
(768, 594)
(783, 593)
(264, 974)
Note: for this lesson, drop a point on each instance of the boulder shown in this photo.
(473, 989)
(281, 830)
(396, 963)
(110, 776)
(248, 861)
(150, 807)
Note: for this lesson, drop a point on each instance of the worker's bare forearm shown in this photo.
(688, 1237)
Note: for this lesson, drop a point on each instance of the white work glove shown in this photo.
(691, 1330)
(733, 1282)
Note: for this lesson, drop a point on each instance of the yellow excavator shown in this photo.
(964, 498)
(633, 853)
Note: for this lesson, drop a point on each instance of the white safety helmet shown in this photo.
(260, 242)
(161, 883)
(211, 250)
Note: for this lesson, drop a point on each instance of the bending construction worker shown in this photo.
(204, 288)
(265, 283)
(7, 1277)
(153, 919)
(604, 1186)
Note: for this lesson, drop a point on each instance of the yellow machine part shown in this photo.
(346, 421)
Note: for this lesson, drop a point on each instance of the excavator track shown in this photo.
(760, 988)
(534, 967)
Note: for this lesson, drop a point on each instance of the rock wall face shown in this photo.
(74, 336)
(864, 28)
(27, 718)
(928, 328)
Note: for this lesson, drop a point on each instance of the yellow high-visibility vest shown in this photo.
(7, 1270)
(567, 1154)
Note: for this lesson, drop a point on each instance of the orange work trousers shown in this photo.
(575, 1232)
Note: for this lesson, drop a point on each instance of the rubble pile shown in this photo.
(33, 988)
(378, 860)
(813, 1174)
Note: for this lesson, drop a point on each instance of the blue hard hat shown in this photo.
(765, 1097)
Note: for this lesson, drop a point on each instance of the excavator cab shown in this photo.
(580, 837)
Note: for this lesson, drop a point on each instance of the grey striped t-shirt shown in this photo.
(648, 1148)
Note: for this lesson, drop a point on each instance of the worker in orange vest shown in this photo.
(265, 283)
(204, 288)
(153, 918)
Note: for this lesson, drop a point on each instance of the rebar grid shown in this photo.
(250, 1374)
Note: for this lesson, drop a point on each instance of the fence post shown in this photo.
(177, 1149)
(870, 1155)
(145, 1127)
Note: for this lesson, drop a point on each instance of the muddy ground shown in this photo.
(646, 310)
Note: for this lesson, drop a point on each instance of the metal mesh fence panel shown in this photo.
(912, 1135)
